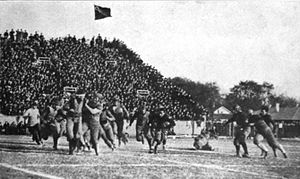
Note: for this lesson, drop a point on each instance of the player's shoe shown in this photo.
(245, 156)
(150, 151)
(238, 155)
(284, 155)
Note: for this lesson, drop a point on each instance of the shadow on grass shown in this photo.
(18, 147)
(20, 143)
(191, 151)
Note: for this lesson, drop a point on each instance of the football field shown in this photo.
(22, 158)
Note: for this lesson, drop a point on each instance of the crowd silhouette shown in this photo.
(108, 67)
(13, 128)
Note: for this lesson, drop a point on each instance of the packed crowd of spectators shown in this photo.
(109, 67)
(13, 128)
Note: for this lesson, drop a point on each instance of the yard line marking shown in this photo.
(273, 166)
(30, 172)
(136, 165)
(210, 152)
(102, 165)
(209, 166)
(195, 151)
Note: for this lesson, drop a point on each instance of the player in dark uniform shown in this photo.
(119, 111)
(269, 121)
(74, 121)
(264, 131)
(161, 122)
(267, 117)
(242, 130)
(54, 123)
(141, 114)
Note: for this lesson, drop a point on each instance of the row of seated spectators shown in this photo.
(13, 128)
(109, 67)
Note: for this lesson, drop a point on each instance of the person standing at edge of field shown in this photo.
(241, 132)
(263, 130)
(74, 117)
(33, 116)
(141, 114)
(119, 111)
(161, 122)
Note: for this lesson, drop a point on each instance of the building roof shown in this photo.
(221, 116)
(288, 113)
(222, 110)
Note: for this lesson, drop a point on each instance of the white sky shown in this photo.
(221, 41)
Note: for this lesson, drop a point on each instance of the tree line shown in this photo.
(248, 94)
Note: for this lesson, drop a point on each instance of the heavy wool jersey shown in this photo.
(259, 123)
(240, 118)
(142, 117)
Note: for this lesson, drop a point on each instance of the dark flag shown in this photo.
(101, 12)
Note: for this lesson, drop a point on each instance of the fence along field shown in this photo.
(20, 157)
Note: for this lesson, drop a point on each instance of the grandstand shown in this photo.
(109, 67)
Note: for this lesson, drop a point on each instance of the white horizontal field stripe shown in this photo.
(30, 172)
(273, 166)
(141, 165)
(210, 166)
(102, 165)
(194, 151)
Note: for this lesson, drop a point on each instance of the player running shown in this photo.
(105, 120)
(141, 114)
(95, 108)
(241, 132)
(119, 111)
(264, 131)
(33, 116)
(54, 122)
(74, 121)
(160, 122)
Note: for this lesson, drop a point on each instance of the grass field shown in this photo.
(21, 158)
